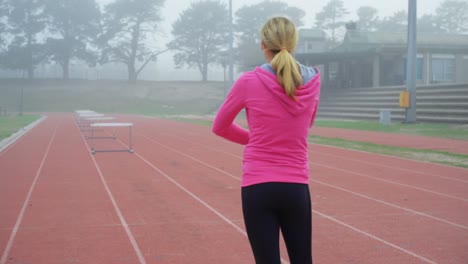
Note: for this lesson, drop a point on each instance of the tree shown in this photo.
(452, 16)
(74, 25)
(367, 18)
(427, 23)
(3, 17)
(331, 18)
(398, 22)
(25, 20)
(249, 20)
(201, 35)
(127, 27)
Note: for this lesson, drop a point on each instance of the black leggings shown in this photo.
(271, 207)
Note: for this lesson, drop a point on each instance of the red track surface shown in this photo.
(392, 139)
(177, 200)
(389, 139)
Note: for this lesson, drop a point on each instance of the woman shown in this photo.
(281, 99)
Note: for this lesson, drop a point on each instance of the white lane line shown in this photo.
(374, 237)
(412, 171)
(190, 157)
(398, 158)
(388, 181)
(332, 186)
(365, 162)
(26, 201)
(356, 229)
(337, 169)
(381, 201)
(7, 143)
(124, 223)
(390, 204)
(194, 196)
(385, 166)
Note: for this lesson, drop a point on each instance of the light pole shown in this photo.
(224, 76)
(21, 100)
(411, 63)
(231, 49)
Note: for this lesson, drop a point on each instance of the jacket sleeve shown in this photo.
(314, 114)
(223, 124)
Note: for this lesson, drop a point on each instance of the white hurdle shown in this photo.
(84, 114)
(89, 120)
(114, 125)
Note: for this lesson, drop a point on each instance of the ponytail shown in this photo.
(287, 72)
(279, 34)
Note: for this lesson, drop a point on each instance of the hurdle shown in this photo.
(78, 113)
(87, 121)
(84, 115)
(113, 125)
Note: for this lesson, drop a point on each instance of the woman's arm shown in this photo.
(224, 125)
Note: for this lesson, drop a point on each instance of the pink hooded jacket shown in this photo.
(276, 142)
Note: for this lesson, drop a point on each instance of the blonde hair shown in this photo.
(279, 35)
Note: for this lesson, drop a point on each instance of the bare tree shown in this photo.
(200, 35)
(25, 20)
(398, 22)
(332, 18)
(127, 26)
(452, 16)
(74, 25)
(367, 18)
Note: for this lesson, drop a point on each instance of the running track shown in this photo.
(177, 200)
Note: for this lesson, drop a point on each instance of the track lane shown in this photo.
(19, 165)
(69, 218)
(187, 149)
(169, 224)
(411, 198)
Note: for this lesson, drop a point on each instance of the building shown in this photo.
(311, 41)
(374, 59)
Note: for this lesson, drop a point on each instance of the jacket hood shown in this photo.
(305, 94)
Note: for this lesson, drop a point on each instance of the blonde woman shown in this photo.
(281, 99)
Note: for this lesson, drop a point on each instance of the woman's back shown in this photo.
(278, 127)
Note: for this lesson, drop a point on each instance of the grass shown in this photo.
(145, 98)
(431, 130)
(11, 124)
(433, 156)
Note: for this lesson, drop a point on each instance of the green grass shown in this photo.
(433, 156)
(200, 122)
(431, 130)
(11, 124)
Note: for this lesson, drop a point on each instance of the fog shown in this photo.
(164, 70)
(173, 8)
(164, 67)
(141, 49)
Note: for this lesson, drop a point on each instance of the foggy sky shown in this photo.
(164, 68)
(172, 8)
